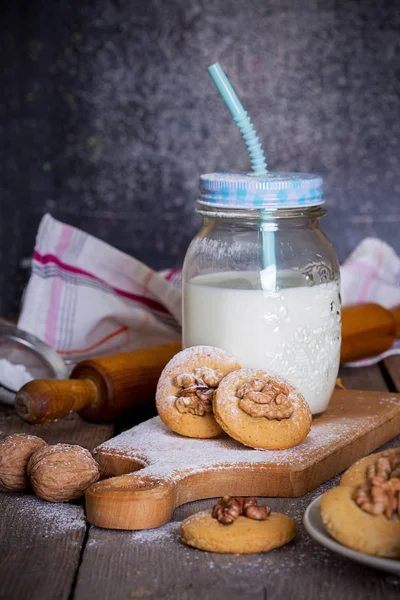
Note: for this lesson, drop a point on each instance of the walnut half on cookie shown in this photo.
(261, 410)
(230, 508)
(261, 398)
(186, 389)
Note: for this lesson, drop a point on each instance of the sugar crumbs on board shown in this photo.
(167, 455)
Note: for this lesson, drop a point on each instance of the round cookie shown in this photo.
(261, 410)
(243, 536)
(363, 513)
(186, 388)
(355, 475)
(359, 530)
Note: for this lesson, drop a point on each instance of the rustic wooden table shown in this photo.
(48, 551)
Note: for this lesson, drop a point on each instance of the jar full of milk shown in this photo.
(261, 280)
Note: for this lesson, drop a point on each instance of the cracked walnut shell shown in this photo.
(261, 410)
(186, 390)
(15, 452)
(62, 472)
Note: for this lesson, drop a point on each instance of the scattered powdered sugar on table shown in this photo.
(49, 518)
(296, 554)
(168, 532)
(166, 454)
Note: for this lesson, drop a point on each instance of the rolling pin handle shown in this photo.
(396, 314)
(45, 400)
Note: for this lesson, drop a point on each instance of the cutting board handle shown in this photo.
(147, 502)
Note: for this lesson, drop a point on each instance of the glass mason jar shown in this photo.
(261, 280)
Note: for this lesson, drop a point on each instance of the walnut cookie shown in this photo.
(363, 512)
(261, 410)
(237, 526)
(186, 389)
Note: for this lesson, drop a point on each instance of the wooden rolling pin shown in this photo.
(368, 330)
(99, 389)
(102, 388)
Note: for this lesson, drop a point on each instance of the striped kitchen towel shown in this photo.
(372, 274)
(86, 298)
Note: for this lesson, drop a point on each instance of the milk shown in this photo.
(294, 332)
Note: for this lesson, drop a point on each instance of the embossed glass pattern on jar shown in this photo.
(286, 321)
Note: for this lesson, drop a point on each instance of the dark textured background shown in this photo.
(108, 115)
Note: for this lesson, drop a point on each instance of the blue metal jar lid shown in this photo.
(270, 191)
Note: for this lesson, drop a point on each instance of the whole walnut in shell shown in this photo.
(62, 472)
(15, 452)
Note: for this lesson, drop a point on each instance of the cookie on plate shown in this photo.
(363, 512)
(237, 526)
(261, 410)
(186, 389)
(357, 473)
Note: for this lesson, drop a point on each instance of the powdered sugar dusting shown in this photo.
(49, 518)
(169, 455)
(167, 532)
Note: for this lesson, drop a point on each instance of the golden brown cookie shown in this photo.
(357, 472)
(363, 513)
(261, 410)
(243, 536)
(186, 388)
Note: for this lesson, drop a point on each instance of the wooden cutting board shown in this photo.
(175, 470)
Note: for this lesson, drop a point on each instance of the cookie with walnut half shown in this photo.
(261, 410)
(363, 512)
(186, 389)
(237, 526)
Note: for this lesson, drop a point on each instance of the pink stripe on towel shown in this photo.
(45, 259)
(57, 289)
(371, 277)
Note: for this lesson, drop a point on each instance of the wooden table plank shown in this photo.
(154, 564)
(41, 542)
(363, 378)
(40, 547)
(392, 367)
(71, 430)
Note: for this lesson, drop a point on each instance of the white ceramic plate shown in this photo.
(315, 528)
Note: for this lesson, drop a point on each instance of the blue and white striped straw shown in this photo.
(257, 160)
